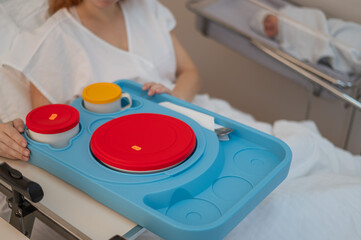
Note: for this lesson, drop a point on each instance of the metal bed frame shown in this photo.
(23, 198)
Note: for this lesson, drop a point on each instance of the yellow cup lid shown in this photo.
(102, 93)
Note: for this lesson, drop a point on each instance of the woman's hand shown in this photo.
(12, 144)
(155, 88)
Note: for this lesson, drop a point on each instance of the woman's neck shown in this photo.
(88, 9)
(105, 21)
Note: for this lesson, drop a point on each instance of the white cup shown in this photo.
(111, 107)
(105, 98)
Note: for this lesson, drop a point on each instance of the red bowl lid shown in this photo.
(143, 142)
(53, 118)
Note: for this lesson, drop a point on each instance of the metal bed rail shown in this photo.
(48, 217)
(313, 78)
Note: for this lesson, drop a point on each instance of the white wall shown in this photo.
(254, 89)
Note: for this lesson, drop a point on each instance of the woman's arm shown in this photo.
(187, 83)
(37, 98)
(12, 143)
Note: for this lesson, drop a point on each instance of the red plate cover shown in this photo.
(143, 142)
(52, 118)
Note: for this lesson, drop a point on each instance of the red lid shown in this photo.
(53, 118)
(143, 142)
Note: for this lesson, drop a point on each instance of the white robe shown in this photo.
(62, 57)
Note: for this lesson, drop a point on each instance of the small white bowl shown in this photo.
(57, 140)
(55, 124)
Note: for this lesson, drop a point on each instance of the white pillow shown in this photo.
(8, 31)
(18, 15)
(26, 14)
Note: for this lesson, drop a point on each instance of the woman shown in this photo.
(87, 41)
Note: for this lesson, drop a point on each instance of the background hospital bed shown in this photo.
(227, 21)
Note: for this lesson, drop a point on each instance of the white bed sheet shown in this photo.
(320, 197)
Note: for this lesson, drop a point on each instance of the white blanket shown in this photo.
(319, 199)
(306, 34)
(347, 45)
(303, 33)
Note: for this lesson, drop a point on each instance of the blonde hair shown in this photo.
(55, 5)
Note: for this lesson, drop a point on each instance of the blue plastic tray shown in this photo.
(203, 198)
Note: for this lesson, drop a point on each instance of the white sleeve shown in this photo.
(15, 101)
(164, 16)
(48, 61)
(8, 31)
(32, 60)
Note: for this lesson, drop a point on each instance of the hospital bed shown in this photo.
(69, 207)
(228, 22)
